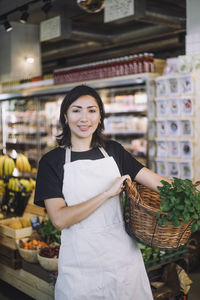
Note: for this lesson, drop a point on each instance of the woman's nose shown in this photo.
(84, 115)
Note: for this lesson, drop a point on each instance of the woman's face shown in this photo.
(83, 117)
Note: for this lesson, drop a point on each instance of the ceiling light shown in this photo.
(29, 60)
(24, 17)
(8, 27)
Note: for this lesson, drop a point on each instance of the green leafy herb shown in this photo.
(49, 233)
(180, 201)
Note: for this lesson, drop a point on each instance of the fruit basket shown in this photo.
(141, 222)
(48, 258)
(28, 249)
(29, 255)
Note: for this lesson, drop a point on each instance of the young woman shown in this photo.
(79, 183)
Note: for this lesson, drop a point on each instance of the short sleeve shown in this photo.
(130, 165)
(126, 162)
(48, 183)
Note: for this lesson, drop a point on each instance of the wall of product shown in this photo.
(174, 121)
(30, 124)
(126, 119)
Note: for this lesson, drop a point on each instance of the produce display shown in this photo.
(180, 202)
(15, 190)
(32, 244)
(18, 223)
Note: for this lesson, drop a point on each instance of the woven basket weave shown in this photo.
(141, 223)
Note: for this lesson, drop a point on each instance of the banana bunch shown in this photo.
(17, 185)
(7, 165)
(13, 184)
(2, 187)
(22, 163)
(26, 184)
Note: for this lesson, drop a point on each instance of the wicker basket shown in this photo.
(141, 223)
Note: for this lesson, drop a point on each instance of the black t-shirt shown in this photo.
(50, 171)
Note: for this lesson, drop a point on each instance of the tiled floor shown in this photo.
(7, 292)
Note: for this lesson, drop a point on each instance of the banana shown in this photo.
(2, 159)
(22, 163)
(9, 166)
(2, 187)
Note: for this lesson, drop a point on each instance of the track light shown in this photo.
(8, 27)
(24, 17)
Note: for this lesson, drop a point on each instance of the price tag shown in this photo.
(35, 222)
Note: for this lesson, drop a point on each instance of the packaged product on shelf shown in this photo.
(174, 106)
(187, 128)
(173, 169)
(161, 87)
(186, 170)
(161, 107)
(162, 128)
(187, 85)
(161, 168)
(162, 149)
(174, 148)
(186, 149)
(174, 86)
(187, 106)
(174, 128)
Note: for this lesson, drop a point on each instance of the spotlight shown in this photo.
(24, 17)
(8, 27)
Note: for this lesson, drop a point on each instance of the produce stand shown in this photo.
(28, 283)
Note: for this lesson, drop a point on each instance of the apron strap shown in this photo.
(103, 151)
(68, 154)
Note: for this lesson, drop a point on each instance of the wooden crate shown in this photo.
(38, 271)
(14, 233)
(9, 255)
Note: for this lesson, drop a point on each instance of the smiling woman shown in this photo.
(80, 183)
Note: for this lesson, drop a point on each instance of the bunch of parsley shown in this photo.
(180, 202)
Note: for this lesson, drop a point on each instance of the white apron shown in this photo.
(98, 260)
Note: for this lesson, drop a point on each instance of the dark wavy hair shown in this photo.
(64, 138)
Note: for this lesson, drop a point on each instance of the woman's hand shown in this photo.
(117, 186)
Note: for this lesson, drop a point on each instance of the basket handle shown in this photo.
(131, 190)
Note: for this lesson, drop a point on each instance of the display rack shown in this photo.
(30, 117)
(174, 126)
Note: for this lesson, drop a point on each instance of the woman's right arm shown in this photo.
(63, 216)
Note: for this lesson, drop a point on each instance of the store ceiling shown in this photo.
(160, 28)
